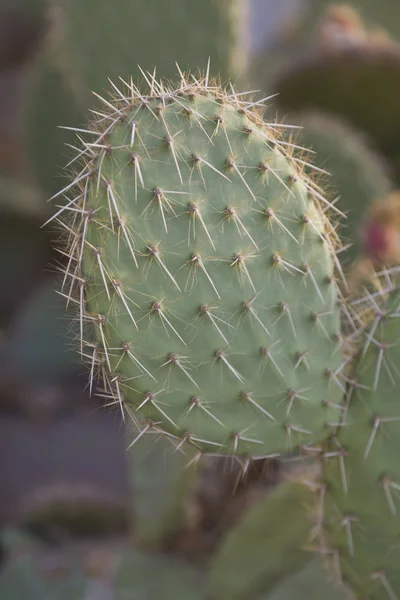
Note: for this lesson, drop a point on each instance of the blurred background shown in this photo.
(66, 479)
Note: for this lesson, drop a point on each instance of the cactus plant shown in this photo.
(346, 74)
(361, 475)
(39, 338)
(359, 176)
(349, 82)
(24, 250)
(215, 30)
(204, 265)
(75, 61)
(120, 572)
(240, 569)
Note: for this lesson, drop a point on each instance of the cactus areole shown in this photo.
(202, 264)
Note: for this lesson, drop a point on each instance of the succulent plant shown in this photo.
(24, 249)
(358, 176)
(349, 82)
(361, 475)
(240, 569)
(75, 61)
(204, 266)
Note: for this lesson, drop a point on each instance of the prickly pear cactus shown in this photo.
(204, 268)
(349, 82)
(361, 469)
(358, 176)
(240, 569)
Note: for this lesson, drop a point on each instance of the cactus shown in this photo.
(162, 483)
(207, 271)
(39, 339)
(122, 573)
(311, 582)
(214, 30)
(240, 569)
(358, 175)
(22, 24)
(24, 249)
(75, 60)
(360, 495)
(350, 81)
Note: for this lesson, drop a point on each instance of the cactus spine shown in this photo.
(204, 268)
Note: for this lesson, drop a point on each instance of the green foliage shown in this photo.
(76, 61)
(208, 273)
(349, 83)
(357, 174)
(34, 573)
(268, 545)
(312, 582)
(162, 482)
(49, 105)
(187, 31)
(39, 337)
(24, 249)
(361, 471)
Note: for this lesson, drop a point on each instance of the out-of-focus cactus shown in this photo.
(39, 337)
(76, 60)
(189, 32)
(358, 176)
(24, 249)
(125, 573)
(361, 477)
(347, 72)
(45, 141)
(311, 582)
(204, 268)
(266, 546)
(162, 483)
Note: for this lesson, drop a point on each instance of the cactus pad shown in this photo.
(358, 174)
(361, 470)
(203, 264)
(350, 83)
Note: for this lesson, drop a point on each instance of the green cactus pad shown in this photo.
(278, 527)
(24, 249)
(359, 176)
(353, 83)
(204, 264)
(361, 469)
(132, 32)
(310, 583)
